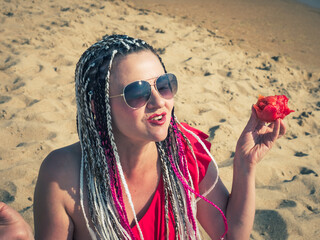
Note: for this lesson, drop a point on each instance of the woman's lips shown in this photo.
(158, 119)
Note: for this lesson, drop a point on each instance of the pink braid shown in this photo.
(120, 208)
(114, 173)
(122, 204)
(183, 158)
(189, 209)
(180, 150)
(186, 186)
(199, 195)
(109, 158)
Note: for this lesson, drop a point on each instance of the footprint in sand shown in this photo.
(270, 225)
(291, 136)
(224, 73)
(303, 171)
(302, 117)
(7, 62)
(17, 83)
(8, 191)
(158, 30)
(301, 154)
(143, 28)
(160, 51)
(212, 132)
(287, 204)
(307, 171)
(4, 99)
(266, 66)
(313, 209)
(6, 197)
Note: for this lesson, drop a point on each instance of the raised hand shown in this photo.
(257, 139)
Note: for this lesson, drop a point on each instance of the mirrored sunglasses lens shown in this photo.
(167, 85)
(137, 94)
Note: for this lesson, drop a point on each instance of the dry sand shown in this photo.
(284, 27)
(41, 41)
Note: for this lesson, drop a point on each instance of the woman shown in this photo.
(136, 172)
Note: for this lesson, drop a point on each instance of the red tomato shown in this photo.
(271, 108)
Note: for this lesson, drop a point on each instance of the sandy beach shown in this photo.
(223, 63)
(285, 27)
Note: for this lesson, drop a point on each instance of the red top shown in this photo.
(153, 224)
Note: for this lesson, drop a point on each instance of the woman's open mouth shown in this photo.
(158, 119)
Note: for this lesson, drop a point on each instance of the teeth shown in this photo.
(157, 118)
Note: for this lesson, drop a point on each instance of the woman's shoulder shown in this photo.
(56, 197)
(58, 176)
(62, 162)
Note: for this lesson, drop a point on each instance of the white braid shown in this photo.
(124, 44)
(190, 231)
(91, 232)
(192, 200)
(209, 154)
(114, 147)
(101, 207)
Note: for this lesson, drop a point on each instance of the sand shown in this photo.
(219, 79)
(284, 27)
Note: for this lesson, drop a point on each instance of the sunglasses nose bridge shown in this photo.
(155, 96)
(155, 99)
(152, 82)
(153, 85)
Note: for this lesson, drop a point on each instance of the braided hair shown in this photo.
(100, 163)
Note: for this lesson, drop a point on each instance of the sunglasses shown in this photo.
(137, 94)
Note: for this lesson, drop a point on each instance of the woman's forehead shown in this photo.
(136, 66)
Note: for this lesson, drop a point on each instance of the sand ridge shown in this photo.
(40, 43)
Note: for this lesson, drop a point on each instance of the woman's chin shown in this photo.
(160, 136)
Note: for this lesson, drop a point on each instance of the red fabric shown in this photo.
(153, 223)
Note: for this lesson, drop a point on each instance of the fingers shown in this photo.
(283, 128)
(253, 121)
(276, 129)
(273, 129)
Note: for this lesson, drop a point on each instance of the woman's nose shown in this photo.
(156, 100)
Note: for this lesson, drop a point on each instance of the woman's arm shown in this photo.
(51, 220)
(255, 141)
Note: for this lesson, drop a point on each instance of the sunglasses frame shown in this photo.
(145, 80)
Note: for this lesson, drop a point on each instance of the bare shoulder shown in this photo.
(63, 159)
(56, 193)
(59, 175)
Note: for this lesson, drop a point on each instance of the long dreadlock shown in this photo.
(100, 163)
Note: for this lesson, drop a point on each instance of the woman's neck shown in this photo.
(136, 158)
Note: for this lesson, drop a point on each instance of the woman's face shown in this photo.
(150, 122)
